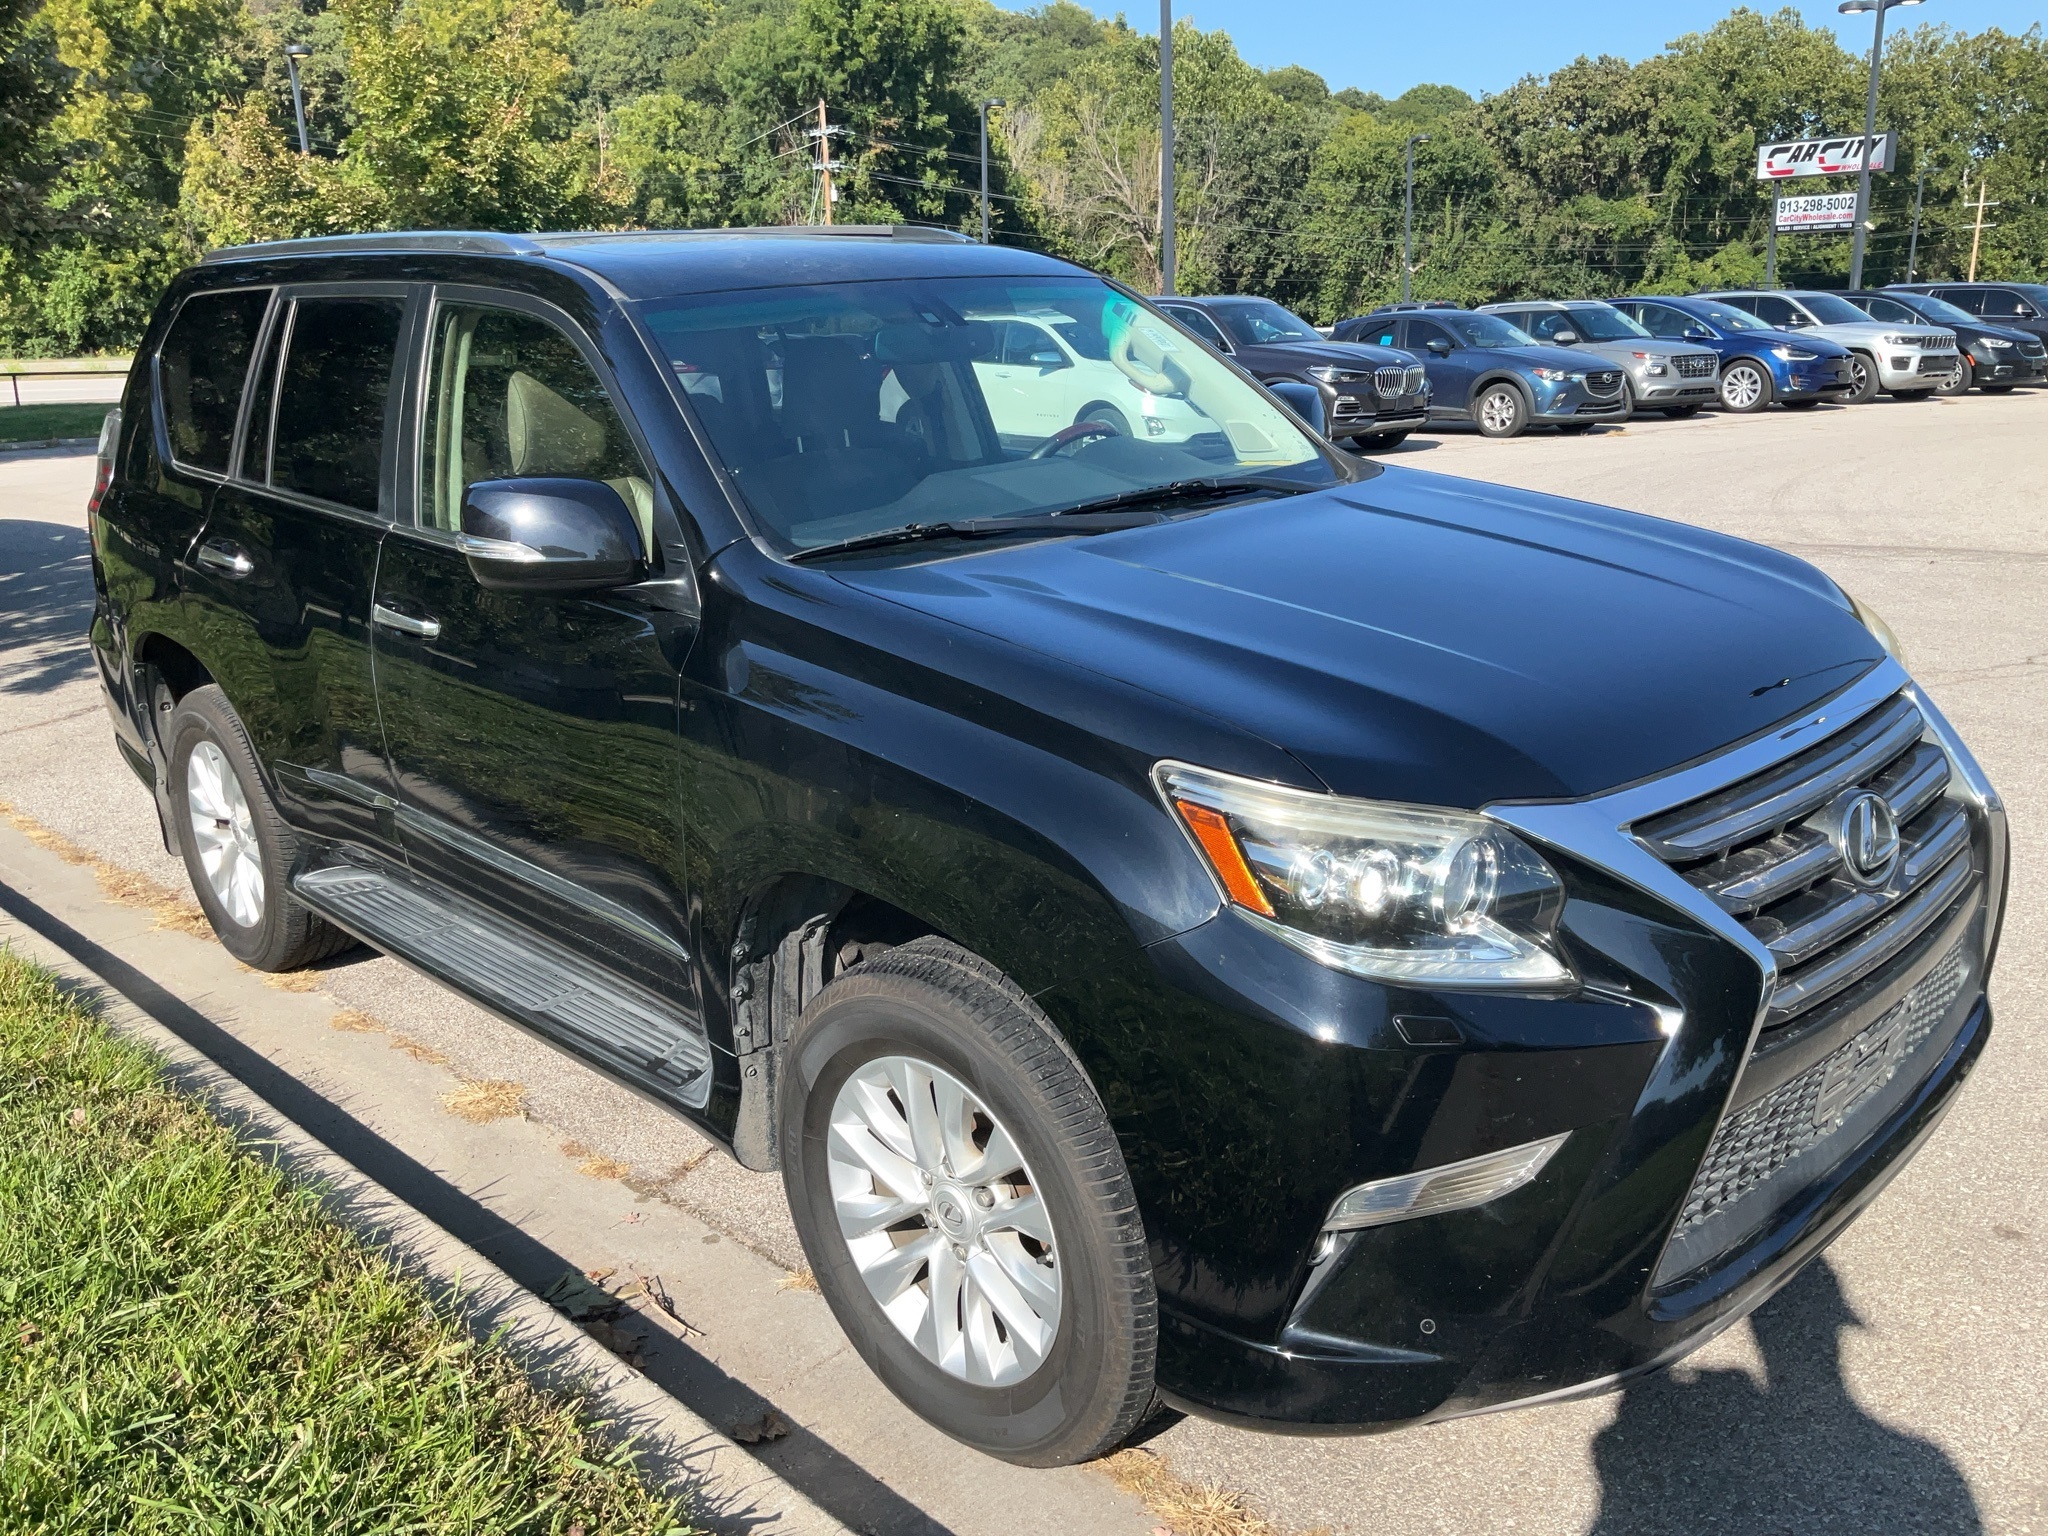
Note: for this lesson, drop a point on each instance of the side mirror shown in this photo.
(1565, 339)
(1698, 333)
(547, 534)
(1049, 362)
(1436, 346)
(1305, 400)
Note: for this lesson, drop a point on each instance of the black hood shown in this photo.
(1422, 638)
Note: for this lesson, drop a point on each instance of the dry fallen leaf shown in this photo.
(603, 1168)
(482, 1102)
(77, 1119)
(769, 1426)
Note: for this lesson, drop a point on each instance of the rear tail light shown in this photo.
(103, 471)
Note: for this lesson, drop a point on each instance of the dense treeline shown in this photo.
(134, 133)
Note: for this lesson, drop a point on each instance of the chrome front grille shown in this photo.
(1769, 851)
(1604, 383)
(1391, 383)
(1696, 365)
(1937, 343)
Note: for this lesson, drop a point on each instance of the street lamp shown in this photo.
(986, 103)
(1408, 217)
(1877, 8)
(293, 52)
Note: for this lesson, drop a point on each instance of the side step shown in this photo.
(534, 982)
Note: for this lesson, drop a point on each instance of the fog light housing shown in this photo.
(1154, 427)
(1452, 1187)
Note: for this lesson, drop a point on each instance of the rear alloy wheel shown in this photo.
(1501, 411)
(1745, 386)
(964, 1205)
(1958, 382)
(1864, 372)
(238, 850)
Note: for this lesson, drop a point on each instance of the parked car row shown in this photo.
(1571, 364)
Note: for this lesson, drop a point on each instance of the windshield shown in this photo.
(845, 409)
(1728, 319)
(1253, 325)
(1484, 331)
(1830, 309)
(1603, 322)
(1929, 307)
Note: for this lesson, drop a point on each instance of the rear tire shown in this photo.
(1863, 369)
(1911, 394)
(1746, 387)
(238, 851)
(1681, 412)
(1380, 444)
(1501, 411)
(888, 1062)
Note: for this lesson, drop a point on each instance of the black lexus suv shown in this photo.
(1199, 919)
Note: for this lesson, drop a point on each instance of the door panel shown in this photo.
(534, 738)
(281, 580)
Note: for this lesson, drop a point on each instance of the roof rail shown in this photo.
(495, 243)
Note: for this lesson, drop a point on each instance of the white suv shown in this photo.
(1043, 372)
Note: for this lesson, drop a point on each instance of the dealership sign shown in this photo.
(1812, 215)
(1824, 157)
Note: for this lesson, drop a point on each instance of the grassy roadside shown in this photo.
(33, 423)
(187, 1344)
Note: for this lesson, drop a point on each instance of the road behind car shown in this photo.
(1893, 1387)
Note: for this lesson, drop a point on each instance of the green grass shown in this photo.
(187, 1344)
(33, 423)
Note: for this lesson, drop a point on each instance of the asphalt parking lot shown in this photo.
(1893, 1387)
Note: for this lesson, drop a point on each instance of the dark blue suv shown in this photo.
(1759, 365)
(1488, 372)
(1189, 914)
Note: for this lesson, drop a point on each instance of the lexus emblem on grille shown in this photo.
(1866, 835)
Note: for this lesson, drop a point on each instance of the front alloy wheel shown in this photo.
(1864, 372)
(1501, 411)
(1745, 387)
(943, 1220)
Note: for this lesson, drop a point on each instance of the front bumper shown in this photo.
(1355, 414)
(1902, 368)
(1816, 380)
(1571, 401)
(1290, 1083)
(2010, 367)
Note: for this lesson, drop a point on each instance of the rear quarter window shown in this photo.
(201, 368)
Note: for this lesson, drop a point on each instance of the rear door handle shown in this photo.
(229, 560)
(405, 623)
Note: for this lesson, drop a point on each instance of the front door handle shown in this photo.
(405, 623)
(225, 558)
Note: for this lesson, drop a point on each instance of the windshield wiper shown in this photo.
(1179, 490)
(1055, 523)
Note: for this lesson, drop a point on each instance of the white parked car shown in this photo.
(1044, 372)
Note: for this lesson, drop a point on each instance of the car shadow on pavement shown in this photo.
(1716, 1451)
(45, 605)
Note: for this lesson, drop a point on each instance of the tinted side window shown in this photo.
(1773, 311)
(1544, 325)
(1890, 309)
(201, 367)
(1421, 333)
(1970, 300)
(512, 396)
(1201, 325)
(337, 376)
(2002, 303)
(1663, 320)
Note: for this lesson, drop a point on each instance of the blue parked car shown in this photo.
(1488, 372)
(1758, 364)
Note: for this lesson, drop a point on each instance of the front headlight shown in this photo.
(1555, 375)
(1869, 618)
(1400, 893)
(1906, 341)
(1329, 373)
(1995, 343)
(1795, 354)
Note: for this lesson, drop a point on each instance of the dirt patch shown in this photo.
(603, 1168)
(482, 1102)
(124, 887)
(1187, 1508)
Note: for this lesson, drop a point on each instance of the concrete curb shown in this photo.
(730, 1490)
(50, 442)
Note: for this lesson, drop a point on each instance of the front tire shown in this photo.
(238, 850)
(1746, 387)
(1501, 411)
(1959, 382)
(1681, 412)
(1108, 415)
(1384, 443)
(965, 1207)
(1863, 370)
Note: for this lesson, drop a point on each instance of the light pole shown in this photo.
(1913, 246)
(1166, 260)
(293, 52)
(1408, 217)
(1877, 8)
(986, 103)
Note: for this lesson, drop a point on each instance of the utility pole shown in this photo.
(1977, 239)
(1878, 8)
(1913, 245)
(293, 52)
(1408, 217)
(823, 134)
(1771, 249)
(986, 103)
(1166, 256)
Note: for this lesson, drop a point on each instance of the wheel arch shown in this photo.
(1486, 381)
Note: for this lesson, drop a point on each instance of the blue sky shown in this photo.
(1485, 45)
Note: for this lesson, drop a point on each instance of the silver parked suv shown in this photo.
(1908, 360)
(1669, 376)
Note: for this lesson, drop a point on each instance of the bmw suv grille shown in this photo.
(1392, 383)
